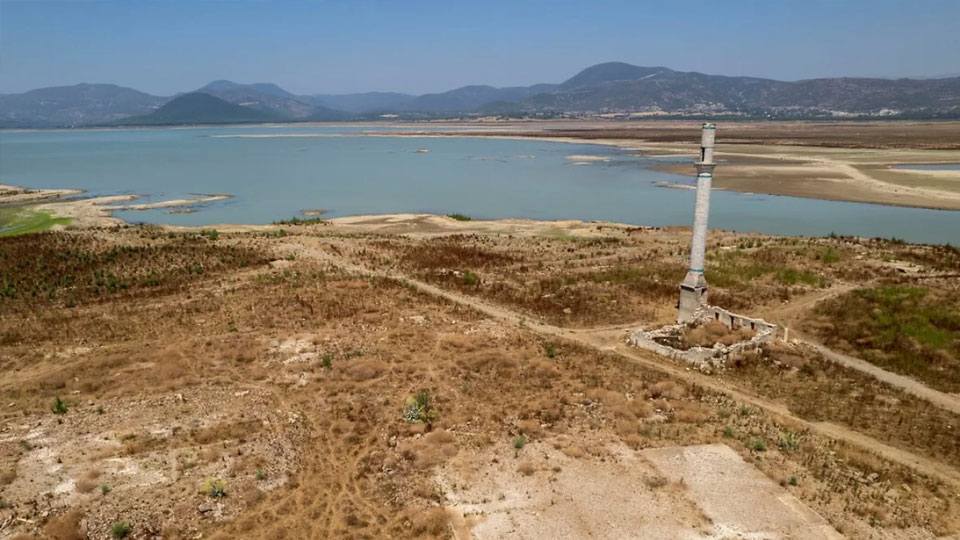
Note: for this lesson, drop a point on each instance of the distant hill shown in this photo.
(609, 88)
(367, 102)
(78, 105)
(268, 97)
(619, 87)
(200, 108)
(469, 98)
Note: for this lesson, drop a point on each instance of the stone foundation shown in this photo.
(706, 356)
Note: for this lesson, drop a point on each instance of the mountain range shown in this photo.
(612, 88)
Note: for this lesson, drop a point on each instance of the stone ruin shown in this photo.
(659, 340)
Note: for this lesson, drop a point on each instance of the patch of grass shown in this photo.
(459, 217)
(728, 432)
(25, 445)
(789, 442)
(120, 529)
(519, 442)
(210, 234)
(59, 406)
(470, 279)
(104, 489)
(550, 350)
(758, 445)
(911, 330)
(260, 475)
(215, 488)
(793, 481)
(18, 221)
(790, 276)
(326, 360)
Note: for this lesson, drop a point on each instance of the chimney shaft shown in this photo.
(693, 290)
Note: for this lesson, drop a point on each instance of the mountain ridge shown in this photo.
(616, 88)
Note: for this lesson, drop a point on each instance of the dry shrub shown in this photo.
(430, 450)
(8, 476)
(544, 369)
(712, 332)
(607, 397)
(66, 526)
(226, 431)
(432, 521)
(88, 481)
(666, 389)
(690, 412)
(364, 370)
(526, 468)
(634, 441)
(139, 445)
(655, 481)
(530, 428)
(640, 408)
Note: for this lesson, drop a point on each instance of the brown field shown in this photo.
(344, 381)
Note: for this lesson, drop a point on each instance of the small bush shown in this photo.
(459, 217)
(758, 446)
(417, 408)
(260, 474)
(59, 406)
(326, 361)
(120, 529)
(470, 279)
(215, 487)
(104, 489)
(550, 350)
(519, 442)
(793, 481)
(789, 442)
(728, 432)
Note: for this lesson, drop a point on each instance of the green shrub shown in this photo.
(59, 406)
(758, 446)
(211, 234)
(215, 487)
(519, 442)
(459, 217)
(326, 360)
(417, 408)
(104, 489)
(120, 529)
(470, 279)
(550, 350)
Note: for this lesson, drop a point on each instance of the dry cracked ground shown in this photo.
(425, 378)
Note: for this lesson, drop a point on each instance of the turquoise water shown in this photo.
(347, 173)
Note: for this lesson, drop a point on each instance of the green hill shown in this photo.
(200, 108)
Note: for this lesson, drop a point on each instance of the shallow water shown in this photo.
(344, 174)
(931, 167)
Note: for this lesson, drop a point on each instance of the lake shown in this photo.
(347, 173)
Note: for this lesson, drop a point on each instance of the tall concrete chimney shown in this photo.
(693, 290)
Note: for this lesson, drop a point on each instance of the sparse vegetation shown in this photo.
(302, 221)
(758, 445)
(907, 329)
(120, 529)
(104, 489)
(459, 217)
(59, 406)
(417, 408)
(519, 442)
(215, 488)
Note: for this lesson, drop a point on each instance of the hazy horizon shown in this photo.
(426, 46)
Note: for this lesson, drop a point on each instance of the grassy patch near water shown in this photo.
(17, 220)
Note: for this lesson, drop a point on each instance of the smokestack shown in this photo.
(693, 290)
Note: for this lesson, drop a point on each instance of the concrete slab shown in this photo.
(738, 498)
(690, 493)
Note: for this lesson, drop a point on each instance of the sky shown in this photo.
(164, 47)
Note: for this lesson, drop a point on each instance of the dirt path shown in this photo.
(612, 341)
(789, 317)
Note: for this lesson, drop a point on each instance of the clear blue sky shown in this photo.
(416, 46)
